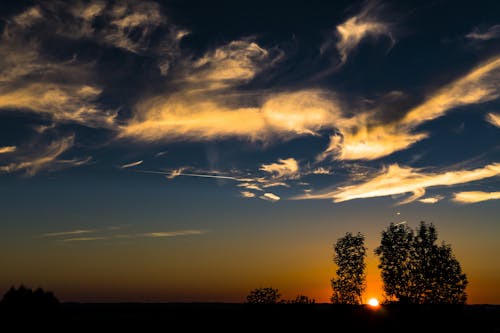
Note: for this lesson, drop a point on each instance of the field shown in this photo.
(182, 317)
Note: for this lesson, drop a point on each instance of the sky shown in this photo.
(190, 151)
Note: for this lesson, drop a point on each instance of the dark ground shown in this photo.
(189, 317)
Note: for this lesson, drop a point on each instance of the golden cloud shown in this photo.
(46, 158)
(270, 197)
(493, 119)
(364, 137)
(7, 149)
(396, 180)
(475, 196)
(284, 168)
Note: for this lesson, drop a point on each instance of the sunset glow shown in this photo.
(190, 151)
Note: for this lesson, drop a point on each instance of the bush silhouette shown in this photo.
(264, 296)
(27, 299)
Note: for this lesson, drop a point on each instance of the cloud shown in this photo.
(493, 119)
(250, 186)
(173, 233)
(270, 197)
(246, 194)
(492, 33)
(207, 103)
(83, 239)
(7, 149)
(284, 168)
(234, 63)
(321, 171)
(33, 81)
(359, 27)
(475, 196)
(366, 137)
(67, 233)
(44, 158)
(396, 180)
(130, 165)
(431, 200)
(274, 184)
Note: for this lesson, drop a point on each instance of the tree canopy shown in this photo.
(350, 282)
(417, 270)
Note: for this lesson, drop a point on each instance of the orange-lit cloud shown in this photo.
(493, 119)
(365, 137)
(250, 186)
(246, 194)
(284, 168)
(475, 196)
(130, 165)
(396, 180)
(7, 149)
(431, 200)
(200, 116)
(45, 158)
(355, 29)
(270, 197)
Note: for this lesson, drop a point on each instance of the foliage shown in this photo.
(301, 299)
(266, 295)
(349, 257)
(417, 270)
(27, 298)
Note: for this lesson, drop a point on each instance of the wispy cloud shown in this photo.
(396, 180)
(158, 234)
(364, 136)
(45, 158)
(491, 33)
(68, 233)
(321, 171)
(7, 149)
(83, 239)
(246, 194)
(363, 25)
(31, 81)
(130, 165)
(250, 186)
(475, 196)
(270, 197)
(114, 233)
(431, 200)
(493, 119)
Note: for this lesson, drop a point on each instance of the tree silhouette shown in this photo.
(301, 299)
(27, 299)
(264, 296)
(417, 270)
(349, 257)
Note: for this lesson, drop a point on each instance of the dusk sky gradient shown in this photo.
(195, 150)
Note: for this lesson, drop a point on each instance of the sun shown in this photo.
(373, 302)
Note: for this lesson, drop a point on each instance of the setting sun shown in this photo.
(373, 302)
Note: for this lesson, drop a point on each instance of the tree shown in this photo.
(301, 299)
(417, 270)
(349, 257)
(263, 296)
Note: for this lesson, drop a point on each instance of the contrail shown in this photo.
(191, 175)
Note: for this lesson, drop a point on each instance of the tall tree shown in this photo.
(417, 270)
(350, 253)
